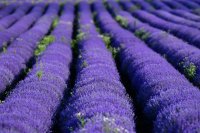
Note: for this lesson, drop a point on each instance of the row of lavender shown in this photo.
(32, 104)
(5, 2)
(98, 102)
(169, 102)
(182, 55)
(21, 26)
(174, 7)
(16, 15)
(6, 10)
(17, 55)
(182, 28)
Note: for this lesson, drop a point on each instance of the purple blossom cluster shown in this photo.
(175, 5)
(32, 104)
(182, 55)
(160, 5)
(186, 15)
(62, 33)
(142, 4)
(12, 18)
(168, 100)
(189, 4)
(179, 20)
(178, 16)
(179, 12)
(99, 102)
(21, 26)
(192, 35)
(7, 10)
(13, 61)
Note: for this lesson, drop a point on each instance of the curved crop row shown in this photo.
(189, 34)
(178, 12)
(190, 4)
(166, 97)
(143, 4)
(9, 20)
(159, 5)
(21, 26)
(178, 20)
(177, 15)
(7, 10)
(186, 15)
(182, 55)
(13, 61)
(175, 5)
(62, 33)
(32, 104)
(99, 102)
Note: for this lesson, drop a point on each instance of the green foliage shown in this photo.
(98, 29)
(141, 33)
(27, 70)
(135, 7)
(4, 49)
(113, 50)
(84, 64)
(74, 42)
(64, 40)
(107, 40)
(39, 74)
(80, 36)
(74, 47)
(5, 45)
(55, 22)
(190, 70)
(43, 44)
(81, 119)
(123, 21)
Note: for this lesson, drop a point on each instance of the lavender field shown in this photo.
(99, 66)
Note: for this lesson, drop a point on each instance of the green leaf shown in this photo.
(43, 44)
(123, 21)
(84, 64)
(55, 22)
(39, 74)
(141, 33)
(190, 70)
